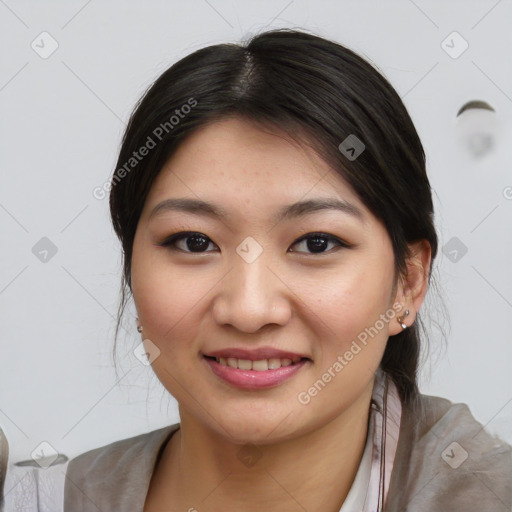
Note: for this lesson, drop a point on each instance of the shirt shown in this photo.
(356, 497)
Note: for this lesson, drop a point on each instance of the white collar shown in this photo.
(357, 495)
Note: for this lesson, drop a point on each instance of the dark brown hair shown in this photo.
(319, 92)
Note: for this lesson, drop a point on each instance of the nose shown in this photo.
(251, 296)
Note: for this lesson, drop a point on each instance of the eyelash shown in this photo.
(170, 242)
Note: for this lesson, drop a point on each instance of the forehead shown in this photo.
(237, 157)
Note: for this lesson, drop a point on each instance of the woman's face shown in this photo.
(249, 287)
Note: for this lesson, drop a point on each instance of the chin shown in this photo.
(257, 428)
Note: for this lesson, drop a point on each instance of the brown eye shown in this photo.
(318, 242)
(194, 242)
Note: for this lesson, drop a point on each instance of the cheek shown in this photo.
(350, 307)
(167, 298)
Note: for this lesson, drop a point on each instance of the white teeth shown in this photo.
(260, 365)
(245, 364)
(273, 364)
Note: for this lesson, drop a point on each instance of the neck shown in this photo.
(201, 469)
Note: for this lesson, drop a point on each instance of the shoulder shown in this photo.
(434, 418)
(114, 474)
(447, 458)
(120, 452)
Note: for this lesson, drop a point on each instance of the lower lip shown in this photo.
(252, 379)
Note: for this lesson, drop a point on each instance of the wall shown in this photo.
(62, 120)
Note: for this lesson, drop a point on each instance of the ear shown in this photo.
(412, 288)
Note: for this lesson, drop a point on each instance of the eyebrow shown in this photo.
(299, 209)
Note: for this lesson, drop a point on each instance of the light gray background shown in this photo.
(61, 124)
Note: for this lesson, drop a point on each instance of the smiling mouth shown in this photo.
(256, 374)
(259, 365)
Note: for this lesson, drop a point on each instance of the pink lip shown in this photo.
(252, 379)
(256, 354)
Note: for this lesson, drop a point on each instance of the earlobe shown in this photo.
(401, 319)
(139, 326)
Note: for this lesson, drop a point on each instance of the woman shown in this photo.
(277, 228)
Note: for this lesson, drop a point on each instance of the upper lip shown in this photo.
(255, 354)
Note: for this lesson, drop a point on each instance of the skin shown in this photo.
(290, 298)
